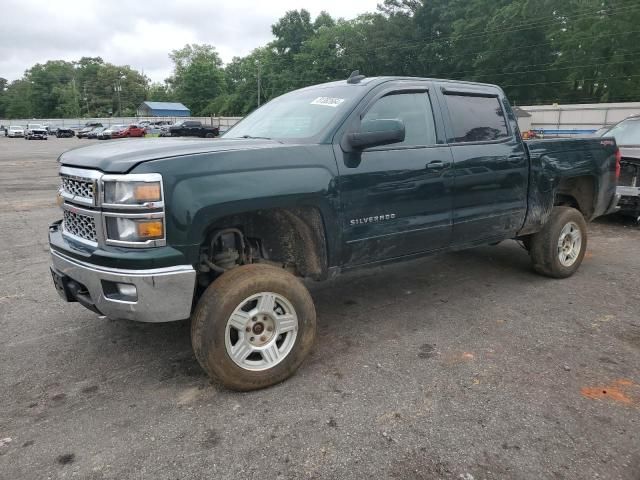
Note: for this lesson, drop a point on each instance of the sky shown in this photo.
(141, 33)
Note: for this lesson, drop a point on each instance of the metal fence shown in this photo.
(223, 123)
(574, 120)
(565, 120)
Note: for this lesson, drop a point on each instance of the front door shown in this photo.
(396, 199)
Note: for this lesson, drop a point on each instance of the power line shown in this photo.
(601, 79)
(557, 17)
(457, 38)
(500, 71)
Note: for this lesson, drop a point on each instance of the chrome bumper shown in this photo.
(628, 191)
(162, 294)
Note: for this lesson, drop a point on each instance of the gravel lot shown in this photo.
(465, 365)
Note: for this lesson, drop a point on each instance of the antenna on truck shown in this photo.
(355, 77)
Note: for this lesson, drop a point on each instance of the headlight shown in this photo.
(134, 214)
(132, 193)
(139, 230)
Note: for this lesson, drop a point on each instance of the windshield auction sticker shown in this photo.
(328, 101)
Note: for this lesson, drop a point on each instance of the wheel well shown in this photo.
(291, 237)
(577, 192)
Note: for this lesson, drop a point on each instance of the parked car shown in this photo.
(62, 132)
(193, 128)
(15, 131)
(93, 134)
(627, 136)
(316, 182)
(130, 131)
(36, 132)
(82, 133)
(110, 131)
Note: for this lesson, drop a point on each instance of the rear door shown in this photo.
(491, 167)
(194, 128)
(396, 199)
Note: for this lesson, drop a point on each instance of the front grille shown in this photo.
(82, 226)
(78, 187)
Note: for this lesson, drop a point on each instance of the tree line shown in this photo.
(539, 51)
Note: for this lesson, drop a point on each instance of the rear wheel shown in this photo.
(558, 249)
(253, 327)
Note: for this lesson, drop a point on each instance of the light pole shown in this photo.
(118, 88)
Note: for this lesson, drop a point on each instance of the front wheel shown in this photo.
(253, 327)
(558, 249)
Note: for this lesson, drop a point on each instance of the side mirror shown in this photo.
(374, 133)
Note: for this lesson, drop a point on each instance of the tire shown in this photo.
(209, 135)
(558, 249)
(212, 328)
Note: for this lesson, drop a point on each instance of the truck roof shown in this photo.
(374, 81)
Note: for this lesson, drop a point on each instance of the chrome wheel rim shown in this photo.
(569, 244)
(261, 331)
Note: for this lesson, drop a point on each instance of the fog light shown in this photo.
(127, 290)
(121, 292)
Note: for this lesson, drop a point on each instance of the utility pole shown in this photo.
(76, 100)
(258, 82)
(118, 88)
(86, 98)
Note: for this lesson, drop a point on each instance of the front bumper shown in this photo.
(629, 203)
(162, 294)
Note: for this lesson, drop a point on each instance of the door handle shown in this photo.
(435, 165)
(515, 158)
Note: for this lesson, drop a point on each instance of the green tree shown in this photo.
(198, 76)
(4, 83)
(18, 96)
(159, 92)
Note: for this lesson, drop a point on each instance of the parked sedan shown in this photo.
(95, 132)
(15, 131)
(111, 132)
(82, 133)
(130, 131)
(64, 133)
(36, 132)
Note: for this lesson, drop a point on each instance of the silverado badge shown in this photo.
(374, 219)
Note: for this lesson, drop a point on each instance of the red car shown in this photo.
(130, 131)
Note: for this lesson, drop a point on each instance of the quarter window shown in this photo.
(414, 110)
(476, 119)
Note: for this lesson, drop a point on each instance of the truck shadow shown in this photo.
(372, 297)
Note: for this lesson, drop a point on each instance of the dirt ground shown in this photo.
(462, 366)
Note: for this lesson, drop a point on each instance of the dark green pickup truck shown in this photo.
(318, 181)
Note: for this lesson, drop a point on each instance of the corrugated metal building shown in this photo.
(163, 109)
(578, 119)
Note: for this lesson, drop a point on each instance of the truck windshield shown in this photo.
(296, 115)
(626, 132)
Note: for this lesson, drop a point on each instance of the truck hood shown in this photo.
(120, 156)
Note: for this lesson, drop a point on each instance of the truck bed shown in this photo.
(554, 161)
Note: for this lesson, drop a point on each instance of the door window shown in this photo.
(476, 119)
(414, 110)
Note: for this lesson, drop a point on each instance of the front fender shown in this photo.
(201, 189)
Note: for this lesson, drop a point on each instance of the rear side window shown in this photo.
(476, 119)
